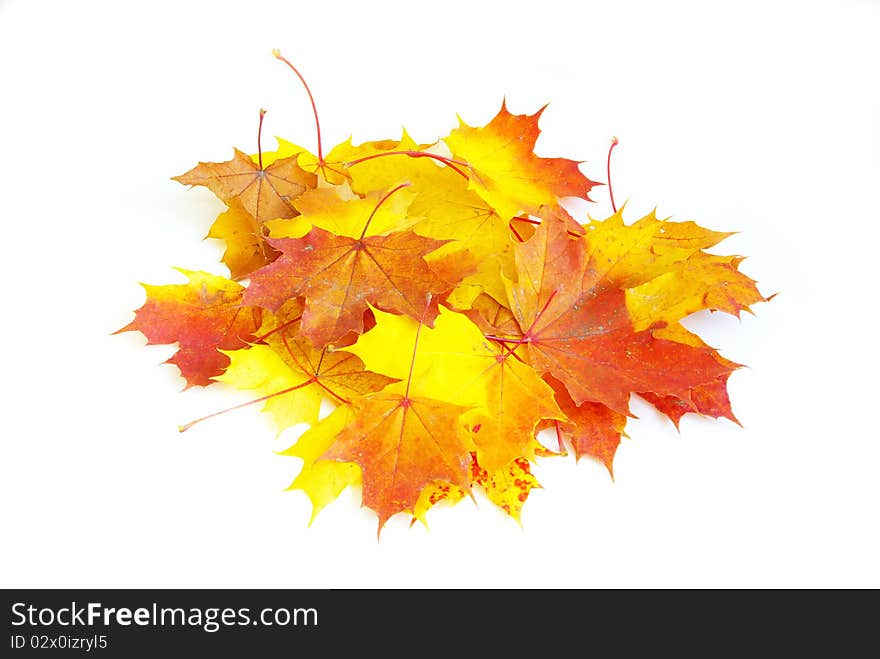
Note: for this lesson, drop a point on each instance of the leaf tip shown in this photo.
(540, 111)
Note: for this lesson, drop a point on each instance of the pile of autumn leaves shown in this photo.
(441, 298)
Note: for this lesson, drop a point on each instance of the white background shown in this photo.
(760, 117)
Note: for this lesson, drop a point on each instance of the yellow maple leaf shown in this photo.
(458, 365)
(335, 167)
(625, 256)
(286, 149)
(262, 370)
(433, 494)
(508, 486)
(293, 376)
(703, 281)
(338, 210)
(323, 480)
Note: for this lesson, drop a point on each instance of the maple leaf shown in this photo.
(334, 169)
(202, 316)
(296, 380)
(402, 445)
(266, 192)
(459, 366)
(291, 395)
(702, 281)
(667, 277)
(577, 328)
(285, 149)
(293, 377)
(339, 276)
(516, 401)
(504, 169)
(625, 256)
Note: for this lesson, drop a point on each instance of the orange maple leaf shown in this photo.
(709, 399)
(402, 445)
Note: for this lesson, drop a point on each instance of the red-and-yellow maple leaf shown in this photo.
(339, 277)
(202, 316)
(577, 328)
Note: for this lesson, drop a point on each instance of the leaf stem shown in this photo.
(315, 371)
(189, 425)
(528, 333)
(527, 336)
(381, 201)
(260, 139)
(501, 339)
(614, 142)
(528, 220)
(277, 329)
(515, 233)
(449, 162)
(412, 363)
(277, 54)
